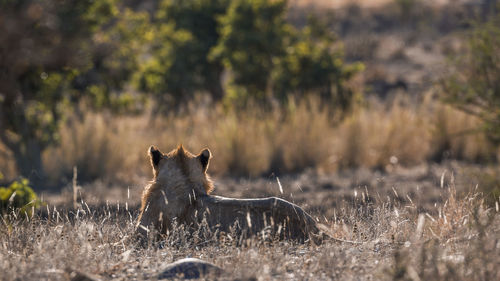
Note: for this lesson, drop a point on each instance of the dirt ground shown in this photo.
(318, 193)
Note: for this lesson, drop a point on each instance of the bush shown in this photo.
(19, 196)
(275, 60)
(474, 86)
(313, 63)
(178, 67)
(252, 35)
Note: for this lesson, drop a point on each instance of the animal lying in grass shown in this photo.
(180, 192)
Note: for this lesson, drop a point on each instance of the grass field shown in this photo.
(375, 183)
(410, 183)
(424, 223)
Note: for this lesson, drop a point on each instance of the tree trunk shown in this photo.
(27, 151)
(28, 157)
(214, 85)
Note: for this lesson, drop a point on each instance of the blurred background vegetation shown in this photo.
(271, 86)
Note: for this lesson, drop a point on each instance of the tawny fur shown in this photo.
(180, 191)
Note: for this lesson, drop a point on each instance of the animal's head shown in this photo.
(180, 168)
(179, 178)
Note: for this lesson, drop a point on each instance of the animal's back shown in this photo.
(272, 214)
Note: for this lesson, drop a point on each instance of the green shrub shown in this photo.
(253, 34)
(473, 86)
(183, 34)
(314, 63)
(18, 196)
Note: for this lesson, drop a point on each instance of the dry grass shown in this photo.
(374, 136)
(410, 135)
(254, 142)
(457, 240)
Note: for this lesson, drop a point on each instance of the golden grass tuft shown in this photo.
(373, 136)
(409, 135)
(100, 146)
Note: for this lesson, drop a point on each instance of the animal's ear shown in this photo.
(204, 157)
(154, 156)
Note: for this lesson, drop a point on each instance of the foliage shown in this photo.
(195, 41)
(313, 64)
(274, 59)
(253, 34)
(52, 56)
(474, 86)
(75, 55)
(117, 39)
(165, 76)
(184, 33)
(18, 196)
